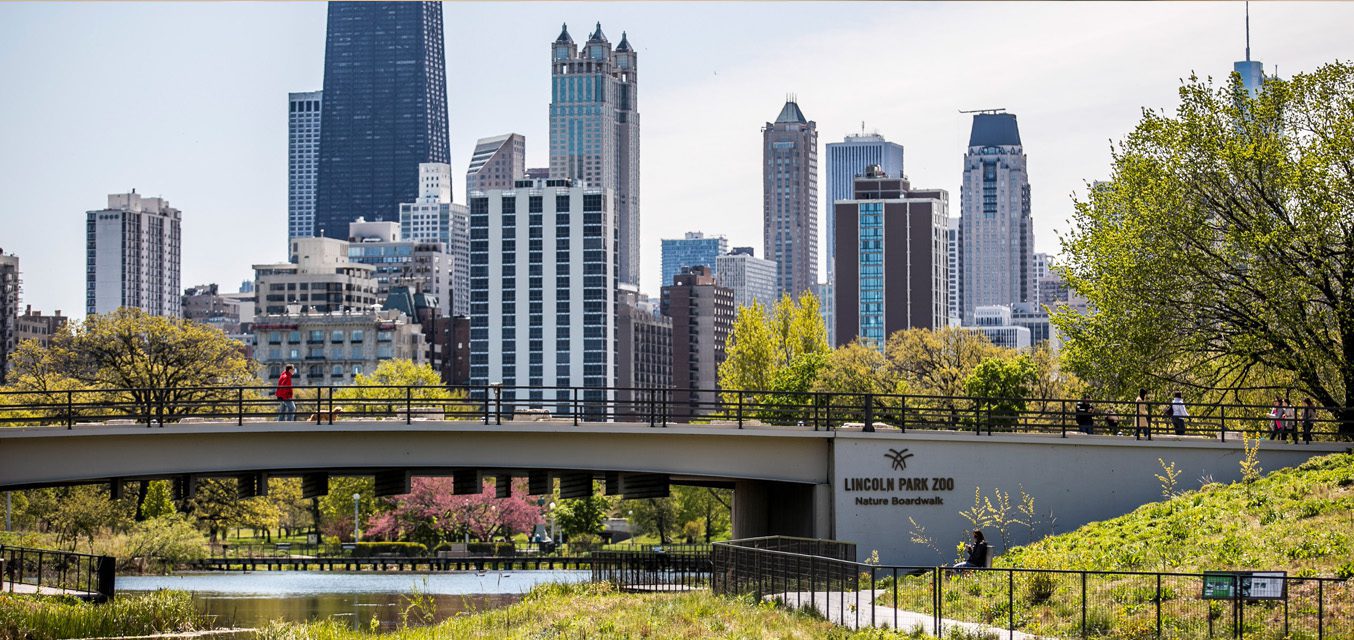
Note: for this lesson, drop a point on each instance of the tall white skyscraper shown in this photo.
(954, 248)
(543, 292)
(132, 256)
(995, 229)
(594, 127)
(303, 155)
(846, 160)
(752, 279)
(434, 218)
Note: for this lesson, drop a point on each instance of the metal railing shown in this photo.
(48, 572)
(469, 550)
(653, 570)
(495, 404)
(1008, 602)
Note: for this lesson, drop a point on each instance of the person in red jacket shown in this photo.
(286, 410)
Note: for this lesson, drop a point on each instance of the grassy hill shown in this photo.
(1299, 519)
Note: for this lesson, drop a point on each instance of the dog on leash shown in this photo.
(321, 417)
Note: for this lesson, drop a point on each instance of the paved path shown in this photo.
(841, 607)
(29, 589)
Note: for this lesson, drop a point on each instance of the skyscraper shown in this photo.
(702, 315)
(9, 309)
(594, 128)
(1252, 71)
(496, 163)
(892, 259)
(695, 249)
(955, 273)
(995, 228)
(751, 279)
(435, 218)
(303, 156)
(845, 161)
(132, 254)
(790, 199)
(385, 110)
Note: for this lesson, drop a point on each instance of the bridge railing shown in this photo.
(652, 570)
(495, 404)
(471, 550)
(1038, 602)
(49, 572)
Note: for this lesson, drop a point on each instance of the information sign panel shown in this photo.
(1254, 585)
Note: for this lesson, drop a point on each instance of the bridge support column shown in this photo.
(780, 508)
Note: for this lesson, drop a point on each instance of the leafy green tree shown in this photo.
(336, 508)
(938, 362)
(1001, 387)
(749, 352)
(382, 391)
(159, 501)
(583, 516)
(83, 512)
(217, 508)
(654, 517)
(780, 353)
(710, 510)
(1219, 257)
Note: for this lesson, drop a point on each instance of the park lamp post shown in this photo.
(554, 535)
(357, 506)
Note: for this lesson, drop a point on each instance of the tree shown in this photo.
(583, 516)
(710, 510)
(1219, 257)
(159, 501)
(335, 509)
(763, 346)
(164, 367)
(383, 391)
(938, 362)
(859, 369)
(1000, 387)
(654, 516)
(82, 512)
(217, 508)
(431, 514)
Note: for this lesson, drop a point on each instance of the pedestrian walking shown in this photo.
(1308, 420)
(1085, 416)
(1142, 423)
(1177, 413)
(286, 406)
(1276, 429)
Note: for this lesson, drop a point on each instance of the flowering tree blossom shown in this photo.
(430, 514)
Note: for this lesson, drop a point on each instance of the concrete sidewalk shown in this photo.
(855, 610)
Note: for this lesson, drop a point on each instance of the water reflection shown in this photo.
(253, 599)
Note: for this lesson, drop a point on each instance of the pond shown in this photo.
(252, 599)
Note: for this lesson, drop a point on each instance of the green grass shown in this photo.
(51, 618)
(1298, 520)
(596, 611)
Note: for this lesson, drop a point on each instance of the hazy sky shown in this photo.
(189, 102)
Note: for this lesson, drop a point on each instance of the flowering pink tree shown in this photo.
(430, 514)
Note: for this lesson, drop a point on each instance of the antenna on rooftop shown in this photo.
(989, 111)
(1248, 30)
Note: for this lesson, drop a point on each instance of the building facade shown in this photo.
(892, 259)
(435, 218)
(319, 279)
(206, 304)
(9, 309)
(694, 249)
(303, 157)
(594, 128)
(702, 314)
(422, 267)
(543, 285)
(954, 245)
(846, 160)
(998, 324)
(995, 227)
(132, 256)
(751, 279)
(790, 199)
(35, 325)
(497, 163)
(644, 357)
(334, 348)
(385, 110)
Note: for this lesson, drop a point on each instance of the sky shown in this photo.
(188, 101)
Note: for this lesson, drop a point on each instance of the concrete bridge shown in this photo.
(846, 484)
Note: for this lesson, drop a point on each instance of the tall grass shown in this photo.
(53, 618)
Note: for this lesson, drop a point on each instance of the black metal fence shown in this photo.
(469, 550)
(48, 572)
(1043, 603)
(658, 570)
(495, 404)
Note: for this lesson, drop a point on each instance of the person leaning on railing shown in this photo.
(1142, 424)
(286, 406)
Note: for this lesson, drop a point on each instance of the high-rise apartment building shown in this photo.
(38, 326)
(996, 230)
(419, 267)
(132, 256)
(543, 292)
(954, 246)
(751, 279)
(435, 218)
(695, 249)
(892, 259)
(790, 199)
(303, 158)
(644, 346)
(385, 110)
(594, 128)
(9, 309)
(846, 160)
(702, 315)
(497, 163)
(206, 304)
(320, 278)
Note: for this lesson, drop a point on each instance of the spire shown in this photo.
(564, 34)
(598, 36)
(790, 113)
(1248, 30)
(625, 43)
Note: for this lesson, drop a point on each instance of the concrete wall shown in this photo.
(1074, 481)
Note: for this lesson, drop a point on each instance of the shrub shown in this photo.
(490, 548)
(403, 549)
(1041, 588)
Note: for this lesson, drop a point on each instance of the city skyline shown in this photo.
(215, 145)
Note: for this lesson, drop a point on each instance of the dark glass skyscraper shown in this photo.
(385, 110)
